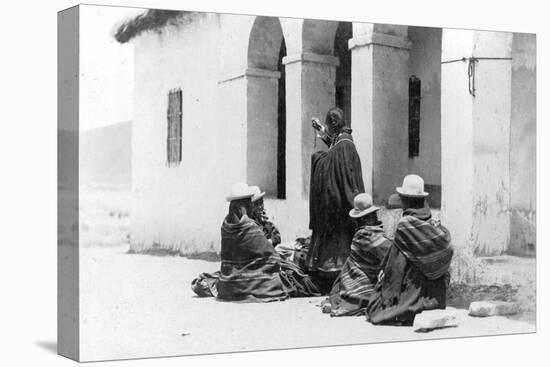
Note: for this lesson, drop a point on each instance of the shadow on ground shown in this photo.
(50, 346)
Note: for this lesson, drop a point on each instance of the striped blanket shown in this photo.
(251, 270)
(415, 271)
(359, 274)
(426, 244)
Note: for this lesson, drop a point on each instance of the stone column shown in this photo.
(262, 99)
(309, 92)
(379, 104)
(475, 133)
(232, 108)
(249, 105)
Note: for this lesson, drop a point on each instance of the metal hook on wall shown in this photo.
(472, 69)
(472, 75)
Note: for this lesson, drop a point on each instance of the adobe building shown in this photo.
(226, 98)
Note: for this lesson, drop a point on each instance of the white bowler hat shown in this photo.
(413, 186)
(239, 191)
(362, 205)
(257, 194)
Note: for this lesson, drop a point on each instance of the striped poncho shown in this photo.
(251, 269)
(415, 271)
(360, 271)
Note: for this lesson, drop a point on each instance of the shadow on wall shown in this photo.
(434, 200)
(522, 233)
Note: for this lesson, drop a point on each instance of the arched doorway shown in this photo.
(281, 125)
(266, 109)
(343, 71)
(425, 73)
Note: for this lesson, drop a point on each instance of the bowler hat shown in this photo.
(362, 205)
(257, 194)
(239, 191)
(413, 186)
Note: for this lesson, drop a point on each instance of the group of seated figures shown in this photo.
(349, 257)
(251, 268)
(388, 280)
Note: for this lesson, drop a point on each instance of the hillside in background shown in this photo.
(105, 156)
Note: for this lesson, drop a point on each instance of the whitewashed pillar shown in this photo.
(379, 104)
(475, 139)
(309, 92)
(262, 97)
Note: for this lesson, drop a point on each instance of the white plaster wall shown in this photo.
(491, 119)
(180, 206)
(233, 43)
(475, 141)
(457, 178)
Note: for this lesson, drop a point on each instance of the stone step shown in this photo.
(492, 308)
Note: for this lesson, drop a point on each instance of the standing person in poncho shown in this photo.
(414, 275)
(336, 178)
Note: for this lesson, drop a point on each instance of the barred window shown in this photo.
(174, 116)
(414, 116)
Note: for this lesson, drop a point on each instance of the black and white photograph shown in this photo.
(330, 176)
(237, 181)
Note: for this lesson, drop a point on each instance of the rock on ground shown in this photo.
(435, 319)
(492, 308)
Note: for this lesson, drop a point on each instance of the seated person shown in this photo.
(260, 217)
(251, 269)
(360, 271)
(415, 271)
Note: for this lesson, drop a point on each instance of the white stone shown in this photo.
(492, 308)
(435, 319)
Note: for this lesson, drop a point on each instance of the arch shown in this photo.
(318, 36)
(266, 112)
(264, 43)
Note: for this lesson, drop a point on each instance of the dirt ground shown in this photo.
(141, 306)
(136, 305)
